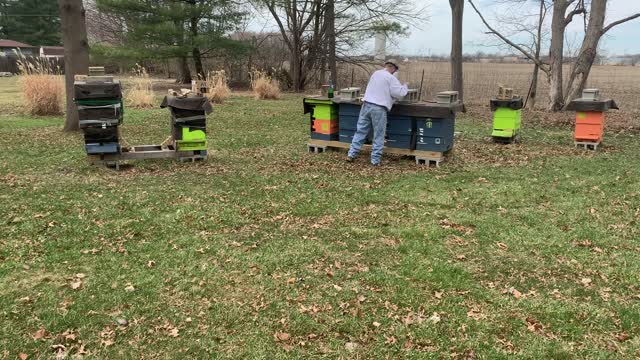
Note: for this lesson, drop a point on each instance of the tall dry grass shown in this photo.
(264, 86)
(42, 87)
(139, 93)
(217, 85)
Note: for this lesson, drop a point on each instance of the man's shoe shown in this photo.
(375, 164)
(350, 159)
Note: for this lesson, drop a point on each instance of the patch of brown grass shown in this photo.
(139, 93)
(217, 84)
(42, 87)
(264, 86)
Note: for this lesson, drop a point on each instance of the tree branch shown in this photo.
(535, 60)
(576, 11)
(621, 21)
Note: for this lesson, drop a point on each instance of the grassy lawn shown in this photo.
(266, 251)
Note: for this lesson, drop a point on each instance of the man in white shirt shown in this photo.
(378, 100)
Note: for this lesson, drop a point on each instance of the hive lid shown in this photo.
(187, 103)
(592, 105)
(513, 104)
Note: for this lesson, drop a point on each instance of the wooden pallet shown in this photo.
(421, 157)
(587, 145)
(146, 152)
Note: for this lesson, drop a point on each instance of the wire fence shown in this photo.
(481, 81)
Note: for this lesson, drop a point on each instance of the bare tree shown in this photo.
(305, 27)
(560, 20)
(457, 12)
(331, 41)
(104, 27)
(76, 53)
(589, 50)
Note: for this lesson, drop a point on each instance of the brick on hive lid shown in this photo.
(96, 71)
(591, 94)
(350, 93)
(411, 97)
(447, 97)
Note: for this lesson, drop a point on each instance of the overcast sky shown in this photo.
(435, 37)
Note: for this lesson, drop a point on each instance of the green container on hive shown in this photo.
(506, 122)
(192, 140)
(322, 109)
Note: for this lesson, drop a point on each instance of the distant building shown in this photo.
(10, 47)
(49, 52)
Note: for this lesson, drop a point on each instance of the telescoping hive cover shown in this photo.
(192, 103)
(83, 90)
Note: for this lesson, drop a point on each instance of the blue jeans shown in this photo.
(370, 115)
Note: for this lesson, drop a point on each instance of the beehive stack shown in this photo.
(188, 121)
(507, 114)
(100, 111)
(324, 118)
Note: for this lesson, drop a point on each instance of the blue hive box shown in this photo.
(348, 115)
(434, 134)
(400, 131)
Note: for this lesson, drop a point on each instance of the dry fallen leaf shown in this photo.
(129, 288)
(376, 324)
(622, 337)
(350, 346)
(502, 246)
(174, 332)
(516, 294)
(41, 333)
(282, 336)
(438, 294)
(337, 287)
(586, 282)
(23, 356)
(461, 257)
(76, 284)
(435, 318)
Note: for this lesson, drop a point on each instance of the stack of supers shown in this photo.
(507, 114)
(590, 115)
(100, 111)
(188, 121)
(324, 118)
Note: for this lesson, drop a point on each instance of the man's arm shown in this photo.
(396, 89)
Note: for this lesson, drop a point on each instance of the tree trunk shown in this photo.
(457, 12)
(588, 51)
(531, 103)
(197, 58)
(184, 74)
(296, 66)
(331, 40)
(197, 61)
(556, 57)
(76, 54)
(533, 93)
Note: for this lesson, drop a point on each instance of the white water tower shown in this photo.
(380, 47)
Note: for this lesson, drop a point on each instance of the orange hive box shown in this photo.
(325, 126)
(589, 126)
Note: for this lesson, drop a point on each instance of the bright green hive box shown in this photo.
(192, 140)
(506, 122)
(323, 109)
